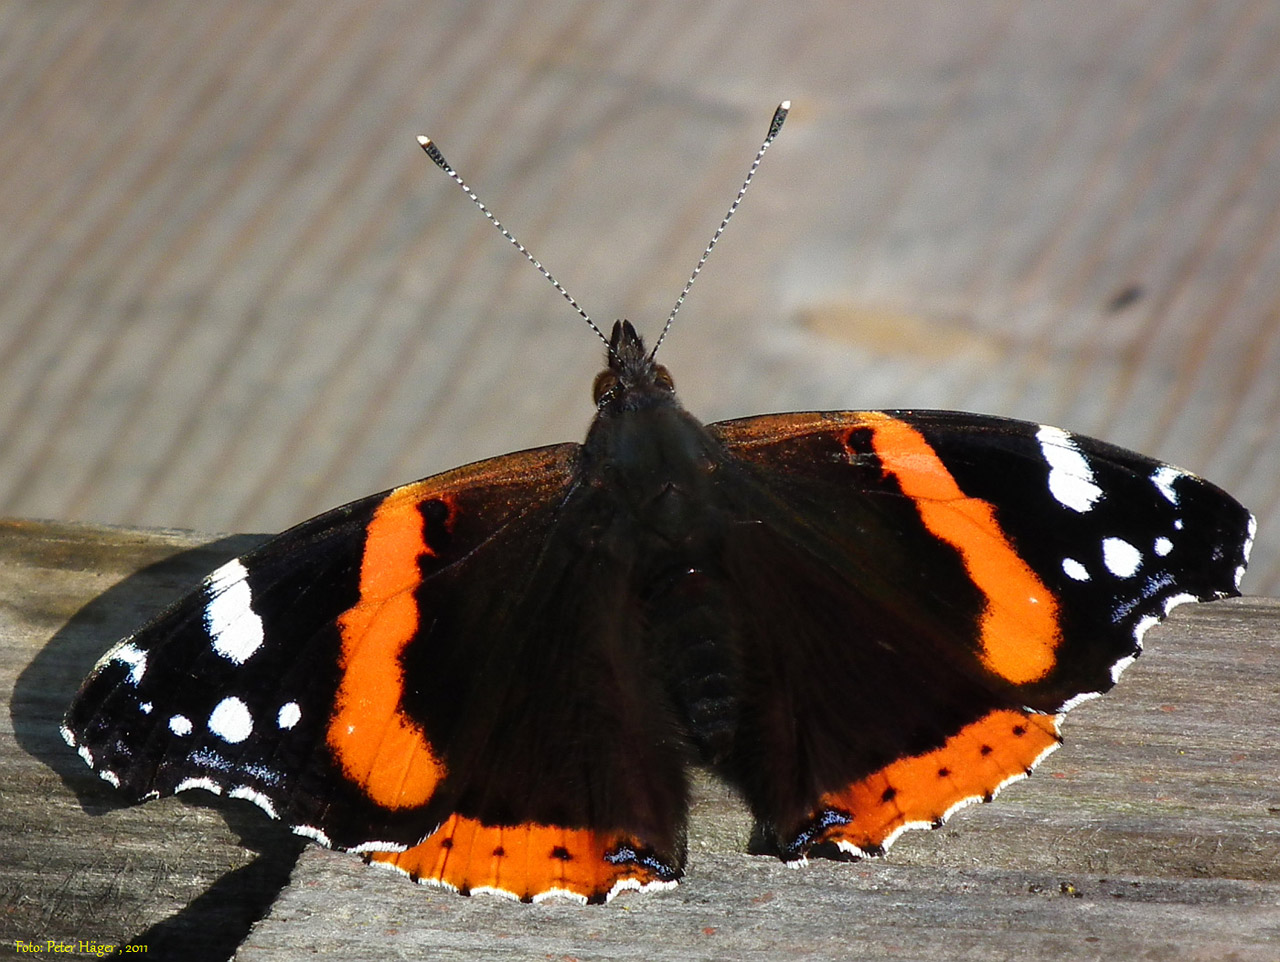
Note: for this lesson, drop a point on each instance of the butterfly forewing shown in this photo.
(1122, 540)
(237, 686)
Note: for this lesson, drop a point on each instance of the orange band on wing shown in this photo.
(527, 861)
(1020, 631)
(377, 745)
(920, 792)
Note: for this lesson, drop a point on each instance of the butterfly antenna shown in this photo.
(775, 125)
(438, 158)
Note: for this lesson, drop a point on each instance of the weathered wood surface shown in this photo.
(234, 293)
(1154, 834)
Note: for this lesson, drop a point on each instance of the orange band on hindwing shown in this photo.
(376, 744)
(1019, 631)
(921, 791)
(529, 860)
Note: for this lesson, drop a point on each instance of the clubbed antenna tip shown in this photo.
(775, 125)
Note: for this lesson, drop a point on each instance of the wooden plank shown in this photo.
(253, 297)
(183, 879)
(1154, 833)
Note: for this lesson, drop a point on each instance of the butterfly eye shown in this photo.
(605, 382)
(662, 378)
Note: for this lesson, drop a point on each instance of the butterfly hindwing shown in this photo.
(545, 709)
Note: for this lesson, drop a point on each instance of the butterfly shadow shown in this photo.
(211, 926)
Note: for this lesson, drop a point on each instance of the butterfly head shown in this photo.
(632, 379)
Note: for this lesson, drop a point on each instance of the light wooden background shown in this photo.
(233, 292)
(1154, 833)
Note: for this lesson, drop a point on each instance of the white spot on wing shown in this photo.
(1179, 599)
(1143, 626)
(379, 847)
(230, 720)
(255, 796)
(1074, 569)
(1070, 477)
(494, 890)
(1121, 558)
(233, 626)
(1079, 699)
(180, 725)
(1118, 668)
(919, 825)
(288, 715)
(313, 833)
(656, 885)
(208, 784)
(225, 577)
(1250, 532)
(1163, 478)
(129, 654)
(1163, 546)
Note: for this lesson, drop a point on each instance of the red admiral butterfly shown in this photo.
(496, 678)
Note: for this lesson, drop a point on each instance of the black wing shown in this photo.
(416, 676)
(921, 594)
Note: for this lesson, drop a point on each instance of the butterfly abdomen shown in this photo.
(694, 650)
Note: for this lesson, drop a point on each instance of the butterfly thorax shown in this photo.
(644, 449)
(652, 469)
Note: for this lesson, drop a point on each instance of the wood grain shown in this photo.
(1154, 833)
(234, 293)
